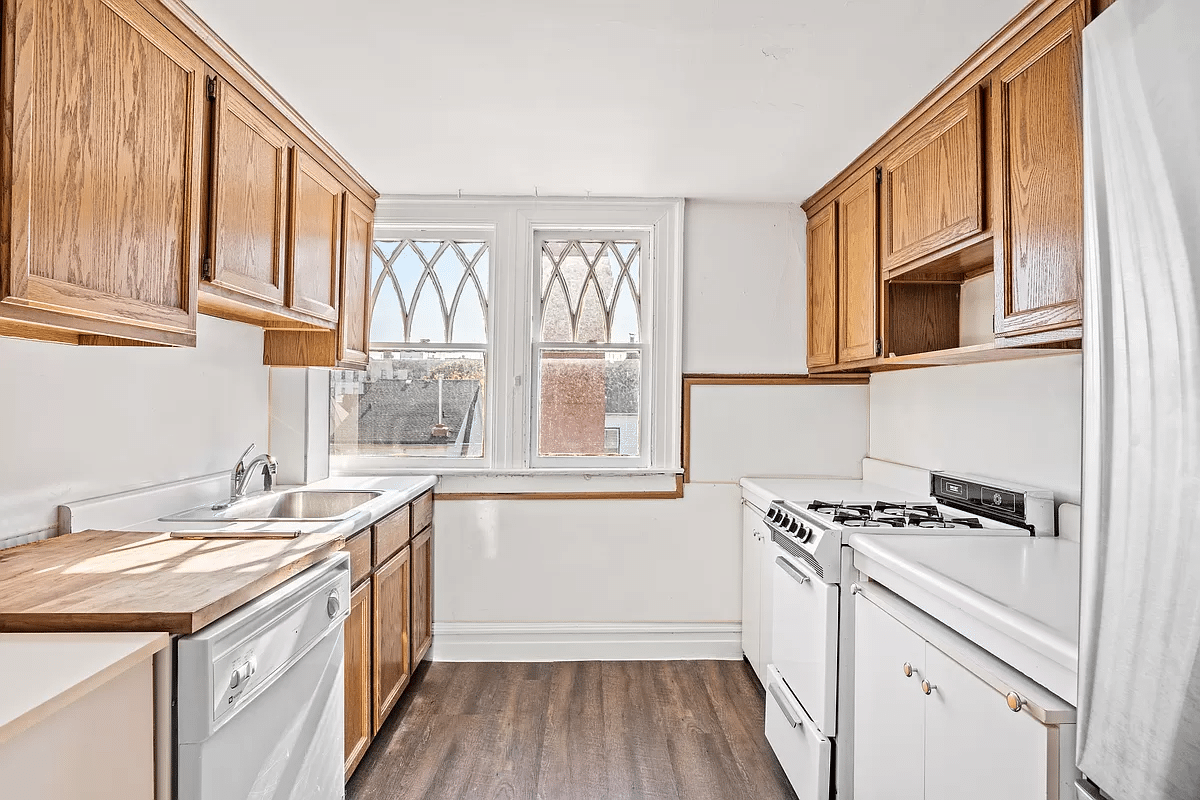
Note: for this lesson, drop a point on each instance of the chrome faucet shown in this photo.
(239, 477)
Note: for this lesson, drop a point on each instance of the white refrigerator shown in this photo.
(1139, 683)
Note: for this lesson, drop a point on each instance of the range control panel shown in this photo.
(1029, 508)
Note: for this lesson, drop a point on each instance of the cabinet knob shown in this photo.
(909, 671)
(927, 687)
(1014, 701)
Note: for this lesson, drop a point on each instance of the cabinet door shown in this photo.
(391, 587)
(751, 590)
(933, 186)
(422, 594)
(106, 132)
(316, 243)
(889, 708)
(249, 198)
(858, 271)
(822, 288)
(1037, 133)
(975, 745)
(359, 719)
(354, 325)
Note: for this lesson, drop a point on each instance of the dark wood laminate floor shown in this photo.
(596, 730)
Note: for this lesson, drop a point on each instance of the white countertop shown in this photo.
(45, 672)
(990, 589)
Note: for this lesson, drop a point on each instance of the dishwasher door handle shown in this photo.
(791, 570)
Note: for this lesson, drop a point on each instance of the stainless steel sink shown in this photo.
(298, 505)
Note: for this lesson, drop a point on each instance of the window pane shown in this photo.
(411, 403)
(416, 283)
(590, 403)
(602, 293)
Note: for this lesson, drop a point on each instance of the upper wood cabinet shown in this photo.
(103, 158)
(315, 249)
(822, 288)
(858, 271)
(1037, 133)
(932, 193)
(249, 199)
(354, 324)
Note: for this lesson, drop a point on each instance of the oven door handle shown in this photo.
(784, 706)
(791, 570)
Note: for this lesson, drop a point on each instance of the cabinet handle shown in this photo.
(909, 671)
(777, 693)
(927, 687)
(1014, 701)
(796, 574)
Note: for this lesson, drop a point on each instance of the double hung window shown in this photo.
(518, 338)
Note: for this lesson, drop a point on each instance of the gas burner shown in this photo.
(872, 522)
(821, 507)
(950, 522)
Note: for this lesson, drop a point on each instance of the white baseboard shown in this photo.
(586, 641)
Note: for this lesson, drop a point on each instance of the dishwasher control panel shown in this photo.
(224, 666)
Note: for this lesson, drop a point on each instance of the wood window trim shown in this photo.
(689, 381)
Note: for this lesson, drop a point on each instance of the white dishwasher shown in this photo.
(260, 695)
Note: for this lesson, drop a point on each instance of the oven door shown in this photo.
(804, 638)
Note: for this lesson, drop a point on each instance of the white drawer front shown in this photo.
(803, 752)
(804, 639)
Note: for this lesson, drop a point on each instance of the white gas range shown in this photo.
(810, 672)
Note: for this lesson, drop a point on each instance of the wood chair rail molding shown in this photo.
(704, 379)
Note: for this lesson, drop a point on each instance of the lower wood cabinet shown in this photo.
(927, 727)
(390, 627)
(391, 598)
(422, 594)
(360, 721)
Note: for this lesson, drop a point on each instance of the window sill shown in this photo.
(572, 484)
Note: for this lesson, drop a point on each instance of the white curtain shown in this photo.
(1139, 690)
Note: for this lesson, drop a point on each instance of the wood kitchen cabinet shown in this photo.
(822, 264)
(360, 720)
(1037, 135)
(391, 600)
(980, 180)
(927, 727)
(858, 271)
(346, 347)
(422, 594)
(314, 247)
(932, 186)
(390, 628)
(102, 174)
(249, 193)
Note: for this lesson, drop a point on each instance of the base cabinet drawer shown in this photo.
(805, 755)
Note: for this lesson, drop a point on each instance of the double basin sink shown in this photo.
(298, 505)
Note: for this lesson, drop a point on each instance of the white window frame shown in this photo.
(512, 226)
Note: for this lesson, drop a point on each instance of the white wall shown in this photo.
(679, 561)
(744, 288)
(1016, 420)
(76, 422)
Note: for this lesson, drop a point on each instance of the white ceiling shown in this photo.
(729, 99)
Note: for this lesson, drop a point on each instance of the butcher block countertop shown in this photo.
(139, 581)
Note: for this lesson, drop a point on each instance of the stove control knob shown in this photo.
(334, 604)
(793, 526)
(235, 678)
